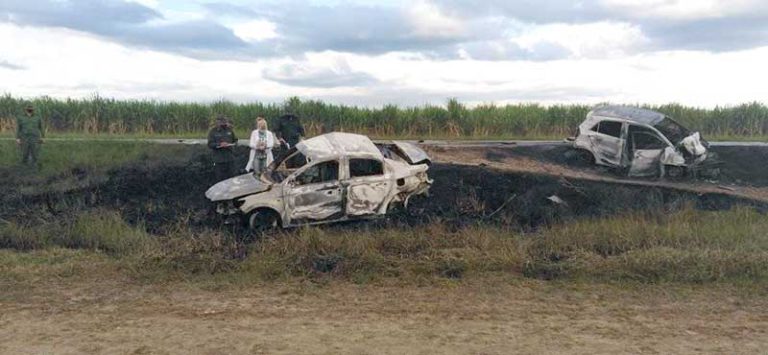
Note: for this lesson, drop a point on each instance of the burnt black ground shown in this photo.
(163, 193)
(741, 165)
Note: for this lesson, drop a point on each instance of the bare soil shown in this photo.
(491, 317)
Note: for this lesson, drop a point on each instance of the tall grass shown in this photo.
(98, 115)
(688, 246)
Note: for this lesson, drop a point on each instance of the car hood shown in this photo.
(237, 186)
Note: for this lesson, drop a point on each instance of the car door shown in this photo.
(645, 150)
(367, 185)
(314, 193)
(608, 142)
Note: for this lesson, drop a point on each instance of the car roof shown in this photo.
(633, 114)
(338, 144)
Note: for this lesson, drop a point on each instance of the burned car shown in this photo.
(642, 142)
(329, 178)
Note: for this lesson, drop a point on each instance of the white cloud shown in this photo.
(592, 40)
(429, 21)
(255, 30)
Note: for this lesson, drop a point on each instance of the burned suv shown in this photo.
(329, 178)
(643, 143)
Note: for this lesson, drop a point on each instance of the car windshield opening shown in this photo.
(282, 168)
(672, 130)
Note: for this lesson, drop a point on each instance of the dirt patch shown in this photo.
(493, 318)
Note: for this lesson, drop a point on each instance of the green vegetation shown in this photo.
(102, 116)
(60, 157)
(688, 246)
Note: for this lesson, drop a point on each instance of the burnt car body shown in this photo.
(329, 178)
(643, 143)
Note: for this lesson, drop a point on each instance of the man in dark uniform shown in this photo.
(222, 140)
(29, 135)
(290, 131)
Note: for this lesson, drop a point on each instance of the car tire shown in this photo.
(262, 220)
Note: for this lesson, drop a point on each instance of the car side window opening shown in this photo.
(365, 167)
(610, 128)
(647, 141)
(322, 172)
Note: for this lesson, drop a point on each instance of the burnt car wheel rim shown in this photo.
(260, 220)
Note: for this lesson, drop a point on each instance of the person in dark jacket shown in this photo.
(289, 129)
(289, 132)
(29, 135)
(222, 141)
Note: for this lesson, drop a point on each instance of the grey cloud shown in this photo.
(351, 28)
(11, 66)
(731, 32)
(305, 75)
(126, 22)
(377, 29)
(716, 35)
(530, 11)
(86, 15)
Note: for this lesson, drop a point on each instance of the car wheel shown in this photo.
(263, 220)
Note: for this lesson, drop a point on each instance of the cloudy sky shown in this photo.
(696, 52)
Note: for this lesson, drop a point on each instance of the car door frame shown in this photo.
(646, 162)
(380, 188)
(323, 211)
(614, 156)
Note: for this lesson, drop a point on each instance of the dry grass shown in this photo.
(687, 246)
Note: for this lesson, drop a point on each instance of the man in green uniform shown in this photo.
(29, 135)
(222, 140)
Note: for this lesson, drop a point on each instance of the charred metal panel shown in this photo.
(314, 202)
(646, 163)
(236, 187)
(607, 149)
(366, 196)
(693, 145)
(411, 152)
(337, 145)
(672, 157)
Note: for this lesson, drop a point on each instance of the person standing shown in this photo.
(29, 135)
(222, 140)
(289, 129)
(261, 143)
(289, 132)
